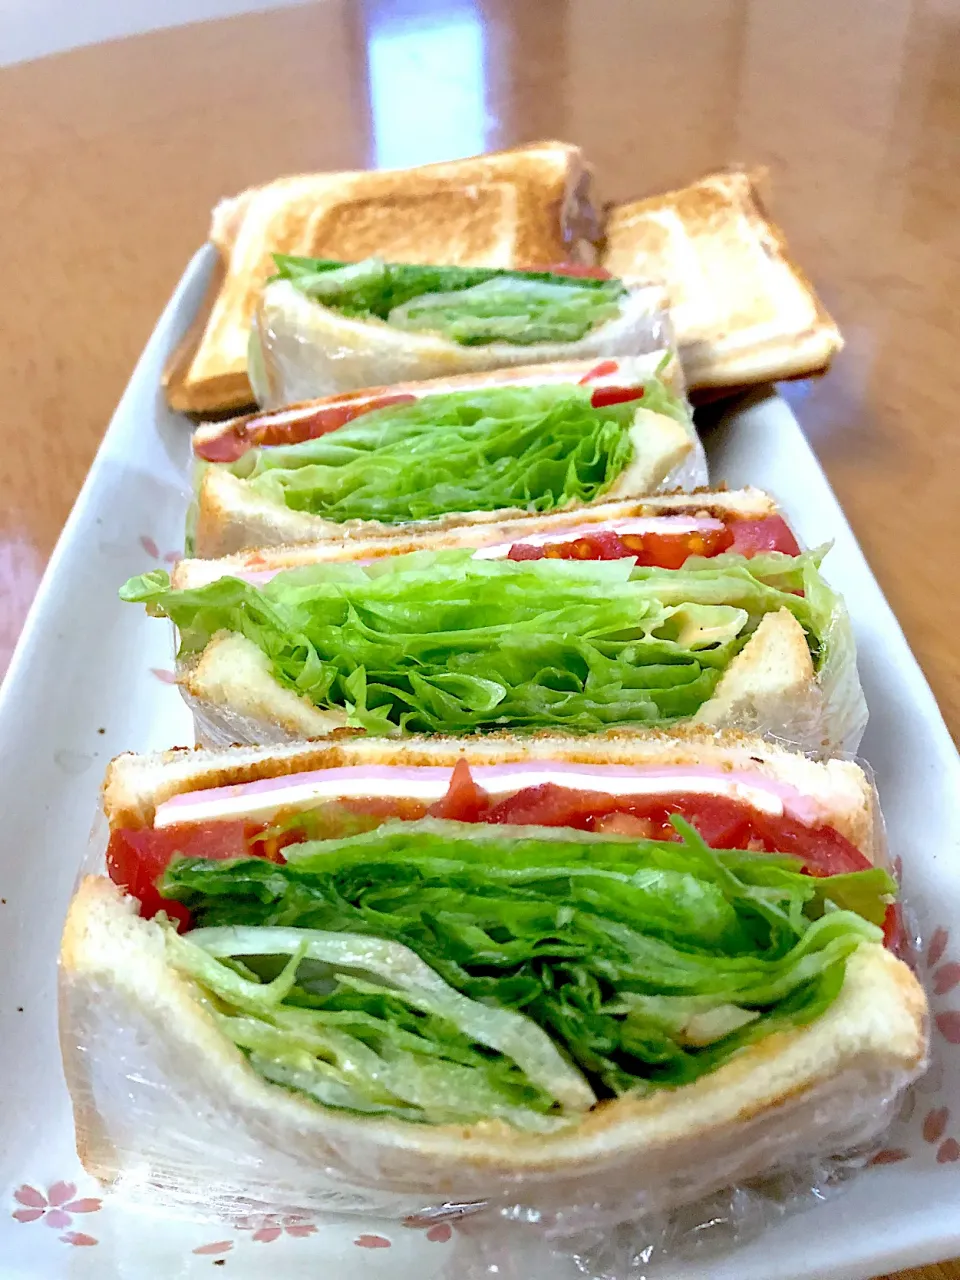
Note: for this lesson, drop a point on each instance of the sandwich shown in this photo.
(621, 972)
(457, 640)
(482, 446)
(742, 311)
(526, 207)
(323, 327)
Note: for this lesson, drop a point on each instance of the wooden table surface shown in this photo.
(111, 157)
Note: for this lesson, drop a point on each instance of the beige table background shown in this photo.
(111, 156)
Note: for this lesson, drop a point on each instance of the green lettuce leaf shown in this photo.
(405, 1042)
(469, 305)
(534, 448)
(440, 642)
(522, 312)
(647, 962)
(398, 973)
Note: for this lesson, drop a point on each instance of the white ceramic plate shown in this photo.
(90, 678)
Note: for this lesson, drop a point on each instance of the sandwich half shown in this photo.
(742, 311)
(323, 327)
(484, 445)
(525, 207)
(530, 633)
(617, 973)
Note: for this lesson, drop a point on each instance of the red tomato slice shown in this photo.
(600, 370)
(604, 396)
(671, 550)
(723, 823)
(137, 859)
(772, 533)
(385, 807)
(663, 550)
(627, 824)
(895, 936)
(249, 433)
(464, 801)
(522, 551)
(228, 446)
(549, 805)
(603, 545)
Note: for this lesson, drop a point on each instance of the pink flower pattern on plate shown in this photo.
(55, 1209)
(150, 547)
(942, 979)
(215, 1246)
(436, 1228)
(373, 1242)
(271, 1226)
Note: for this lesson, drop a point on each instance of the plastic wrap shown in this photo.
(650, 1245)
(300, 349)
(160, 1118)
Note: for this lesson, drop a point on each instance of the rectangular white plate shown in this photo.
(88, 681)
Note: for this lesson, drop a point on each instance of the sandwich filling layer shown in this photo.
(534, 448)
(471, 306)
(505, 954)
(665, 542)
(229, 440)
(441, 642)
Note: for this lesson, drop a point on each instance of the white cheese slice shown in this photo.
(260, 800)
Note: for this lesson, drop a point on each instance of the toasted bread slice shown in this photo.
(742, 311)
(773, 669)
(365, 541)
(525, 207)
(305, 349)
(160, 1095)
(234, 680)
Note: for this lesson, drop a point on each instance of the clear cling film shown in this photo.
(652, 1244)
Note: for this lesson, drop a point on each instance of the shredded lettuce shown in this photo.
(533, 448)
(333, 969)
(470, 305)
(522, 312)
(546, 966)
(440, 642)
